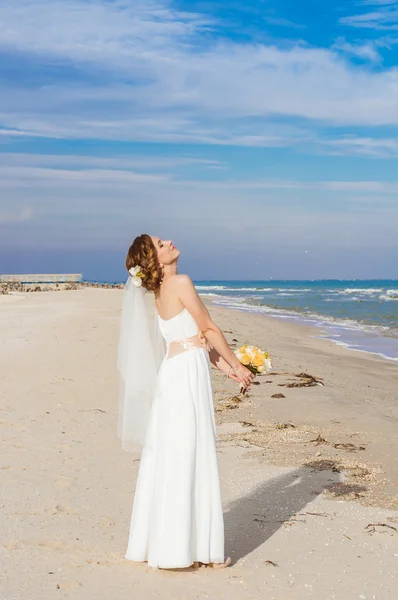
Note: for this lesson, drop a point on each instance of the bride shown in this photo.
(167, 409)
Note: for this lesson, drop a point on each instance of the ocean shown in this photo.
(362, 315)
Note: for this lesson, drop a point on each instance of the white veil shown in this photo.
(141, 351)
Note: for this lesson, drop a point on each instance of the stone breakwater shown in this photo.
(10, 287)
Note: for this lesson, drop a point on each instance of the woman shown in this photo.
(177, 518)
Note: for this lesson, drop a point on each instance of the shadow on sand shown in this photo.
(254, 518)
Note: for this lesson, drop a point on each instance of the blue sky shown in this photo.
(262, 137)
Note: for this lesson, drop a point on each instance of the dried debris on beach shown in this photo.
(289, 444)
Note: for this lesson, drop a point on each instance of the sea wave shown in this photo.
(310, 317)
(210, 287)
(289, 294)
(388, 297)
(224, 288)
(209, 294)
(293, 289)
(374, 339)
(358, 291)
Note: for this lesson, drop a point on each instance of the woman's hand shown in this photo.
(231, 375)
(239, 373)
(243, 375)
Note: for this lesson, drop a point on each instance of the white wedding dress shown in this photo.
(177, 516)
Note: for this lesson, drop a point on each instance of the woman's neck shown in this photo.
(170, 270)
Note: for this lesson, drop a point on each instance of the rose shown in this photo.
(258, 360)
(255, 359)
(245, 359)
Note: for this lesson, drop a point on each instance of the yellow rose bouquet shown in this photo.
(255, 359)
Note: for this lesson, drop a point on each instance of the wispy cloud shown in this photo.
(83, 172)
(150, 73)
(21, 133)
(385, 17)
(90, 30)
(350, 145)
(142, 163)
(377, 2)
(282, 22)
(20, 176)
(366, 51)
(137, 84)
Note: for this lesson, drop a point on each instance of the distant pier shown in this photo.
(43, 278)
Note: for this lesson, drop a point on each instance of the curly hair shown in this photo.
(143, 252)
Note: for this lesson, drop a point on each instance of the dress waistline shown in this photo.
(179, 346)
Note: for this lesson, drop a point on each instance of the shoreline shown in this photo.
(358, 403)
(322, 322)
(350, 333)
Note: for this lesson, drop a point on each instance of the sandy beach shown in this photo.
(309, 474)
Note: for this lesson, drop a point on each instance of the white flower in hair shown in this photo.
(136, 275)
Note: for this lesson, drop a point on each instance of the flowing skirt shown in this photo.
(177, 516)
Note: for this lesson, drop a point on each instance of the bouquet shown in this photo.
(255, 359)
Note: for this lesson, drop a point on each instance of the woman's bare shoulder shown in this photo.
(183, 283)
(178, 284)
(181, 280)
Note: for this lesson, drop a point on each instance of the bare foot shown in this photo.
(223, 565)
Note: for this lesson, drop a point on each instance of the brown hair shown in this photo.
(143, 252)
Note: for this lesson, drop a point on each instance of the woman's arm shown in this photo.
(189, 297)
(217, 360)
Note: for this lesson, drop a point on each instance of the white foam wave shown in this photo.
(352, 346)
(210, 287)
(231, 289)
(368, 291)
(313, 318)
(209, 294)
(330, 327)
(295, 290)
(388, 298)
(289, 294)
(252, 289)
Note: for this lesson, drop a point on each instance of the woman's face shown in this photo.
(167, 253)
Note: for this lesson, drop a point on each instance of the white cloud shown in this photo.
(144, 163)
(367, 51)
(95, 30)
(362, 146)
(17, 176)
(384, 18)
(91, 172)
(20, 133)
(148, 73)
(377, 2)
(283, 22)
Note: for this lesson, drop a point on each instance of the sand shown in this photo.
(304, 519)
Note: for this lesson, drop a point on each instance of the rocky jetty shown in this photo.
(9, 287)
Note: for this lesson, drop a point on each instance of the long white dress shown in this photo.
(177, 516)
